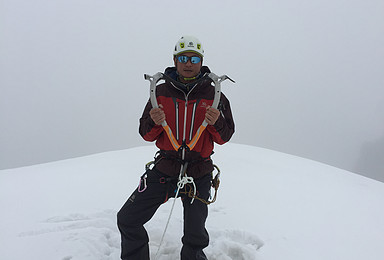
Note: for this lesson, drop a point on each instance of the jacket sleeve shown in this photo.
(224, 127)
(147, 128)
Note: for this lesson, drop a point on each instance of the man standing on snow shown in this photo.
(185, 101)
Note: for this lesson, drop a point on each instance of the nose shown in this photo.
(189, 62)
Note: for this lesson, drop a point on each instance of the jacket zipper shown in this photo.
(185, 113)
(176, 117)
(193, 119)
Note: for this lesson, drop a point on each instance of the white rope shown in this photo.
(166, 227)
(180, 184)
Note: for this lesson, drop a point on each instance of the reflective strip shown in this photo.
(192, 120)
(199, 131)
(177, 118)
(172, 139)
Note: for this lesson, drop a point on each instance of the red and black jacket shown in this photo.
(185, 107)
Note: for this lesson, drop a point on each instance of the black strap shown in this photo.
(164, 155)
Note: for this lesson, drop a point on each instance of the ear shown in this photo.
(174, 60)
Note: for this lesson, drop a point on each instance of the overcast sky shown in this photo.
(309, 74)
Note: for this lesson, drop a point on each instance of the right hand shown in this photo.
(157, 115)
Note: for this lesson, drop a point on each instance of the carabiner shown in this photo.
(144, 180)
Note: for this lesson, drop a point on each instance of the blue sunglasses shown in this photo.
(185, 59)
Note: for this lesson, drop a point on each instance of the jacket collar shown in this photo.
(171, 75)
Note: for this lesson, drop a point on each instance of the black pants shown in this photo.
(141, 206)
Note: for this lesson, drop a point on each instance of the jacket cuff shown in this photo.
(220, 122)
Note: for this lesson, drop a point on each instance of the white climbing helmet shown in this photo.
(188, 44)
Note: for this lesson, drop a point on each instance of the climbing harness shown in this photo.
(187, 184)
(183, 180)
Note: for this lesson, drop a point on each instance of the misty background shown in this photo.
(309, 74)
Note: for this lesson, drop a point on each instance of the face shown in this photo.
(189, 69)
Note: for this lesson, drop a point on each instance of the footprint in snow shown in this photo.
(233, 245)
(95, 236)
(81, 237)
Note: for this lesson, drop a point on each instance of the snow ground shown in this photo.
(270, 206)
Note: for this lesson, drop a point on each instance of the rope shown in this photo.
(181, 183)
(165, 230)
(215, 184)
(192, 195)
(183, 180)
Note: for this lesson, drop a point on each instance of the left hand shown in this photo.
(212, 115)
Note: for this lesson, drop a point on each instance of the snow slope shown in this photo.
(270, 206)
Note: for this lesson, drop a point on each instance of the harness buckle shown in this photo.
(184, 146)
(149, 165)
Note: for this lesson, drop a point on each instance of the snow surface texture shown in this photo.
(270, 206)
